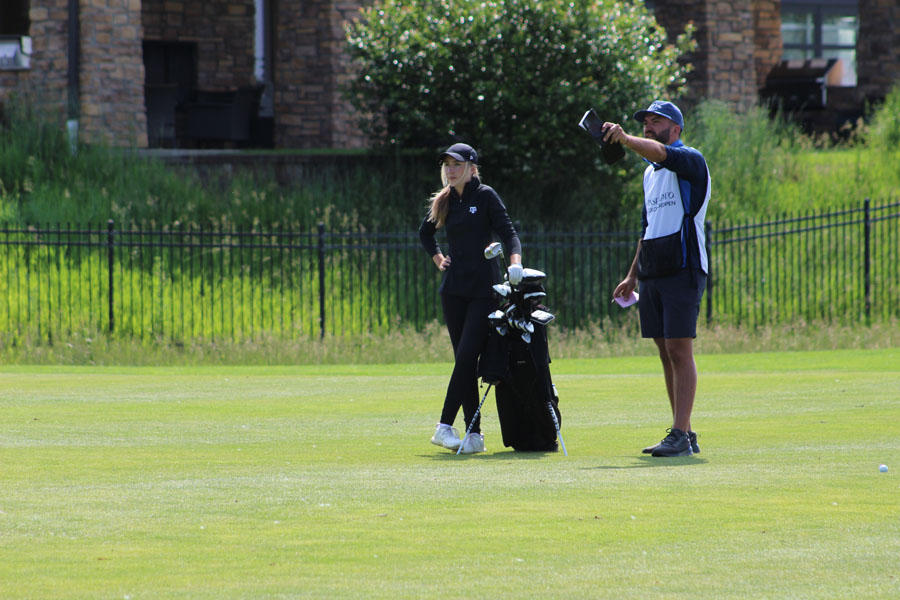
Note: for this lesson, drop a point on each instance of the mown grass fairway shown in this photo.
(320, 482)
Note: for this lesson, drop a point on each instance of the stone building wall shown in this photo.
(112, 73)
(222, 30)
(309, 67)
(732, 68)
(737, 44)
(674, 16)
(346, 131)
(45, 80)
(878, 48)
(767, 43)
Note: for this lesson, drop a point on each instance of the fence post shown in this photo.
(322, 280)
(867, 257)
(110, 252)
(709, 278)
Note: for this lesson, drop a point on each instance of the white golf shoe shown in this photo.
(446, 437)
(472, 444)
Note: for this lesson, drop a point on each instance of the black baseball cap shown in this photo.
(463, 152)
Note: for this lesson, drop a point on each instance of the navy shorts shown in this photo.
(669, 306)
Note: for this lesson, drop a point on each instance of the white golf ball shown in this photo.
(883, 468)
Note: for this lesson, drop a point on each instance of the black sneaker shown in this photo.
(676, 443)
(692, 435)
(650, 449)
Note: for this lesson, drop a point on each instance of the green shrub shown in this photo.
(884, 131)
(513, 78)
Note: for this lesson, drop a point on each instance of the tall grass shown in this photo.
(42, 181)
(405, 344)
(759, 165)
(885, 125)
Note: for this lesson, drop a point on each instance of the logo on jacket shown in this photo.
(473, 210)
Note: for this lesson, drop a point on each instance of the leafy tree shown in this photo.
(511, 77)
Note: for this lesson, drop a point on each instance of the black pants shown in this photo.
(468, 326)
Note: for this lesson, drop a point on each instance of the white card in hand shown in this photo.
(628, 300)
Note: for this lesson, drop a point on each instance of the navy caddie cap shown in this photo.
(664, 109)
(463, 152)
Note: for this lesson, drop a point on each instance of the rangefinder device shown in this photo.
(610, 152)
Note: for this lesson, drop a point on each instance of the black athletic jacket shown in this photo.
(472, 221)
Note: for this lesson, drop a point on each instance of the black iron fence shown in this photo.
(184, 283)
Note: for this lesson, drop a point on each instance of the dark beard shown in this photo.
(663, 138)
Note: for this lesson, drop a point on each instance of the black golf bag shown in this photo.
(516, 361)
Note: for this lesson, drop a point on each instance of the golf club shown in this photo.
(541, 317)
(502, 289)
(532, 275)
(493, 250)
(556, 421)
(556, 424)
(475, 418)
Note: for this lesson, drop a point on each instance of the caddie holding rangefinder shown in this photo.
(670, 265)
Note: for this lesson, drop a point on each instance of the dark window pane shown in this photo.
(14, 17)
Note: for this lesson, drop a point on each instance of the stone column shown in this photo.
(878, 48)
(726, 61)
(310, 65)
(45, 81)
(768, 45)
(112, 73)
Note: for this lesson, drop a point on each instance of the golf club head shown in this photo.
(533, 275)
(502, 289)
(497, 315)
(534, 295)
(502, 328)
(493, 250)
(529, 326)
(541, 317)
(526, 337)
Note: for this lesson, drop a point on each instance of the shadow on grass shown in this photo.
(500, 455)
(649, 462)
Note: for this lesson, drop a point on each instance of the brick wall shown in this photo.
(309, 68)
(766, 37)
(878, 48)
(222, 29)
(112, 73)
(732, 64)
(46, 79)
(674, 16)
(111, 101)
(737, 43)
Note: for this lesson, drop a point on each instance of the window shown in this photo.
(15, 45)
(822, 30)
(14, 18)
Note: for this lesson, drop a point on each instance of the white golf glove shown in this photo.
(515, 272)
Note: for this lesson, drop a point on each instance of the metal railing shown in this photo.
(183, 283)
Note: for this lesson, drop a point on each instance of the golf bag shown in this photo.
(516, 361)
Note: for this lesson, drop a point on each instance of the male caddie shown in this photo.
(670, 264)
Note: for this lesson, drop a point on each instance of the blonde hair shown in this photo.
(439, 202)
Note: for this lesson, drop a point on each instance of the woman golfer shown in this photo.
(471, 213)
